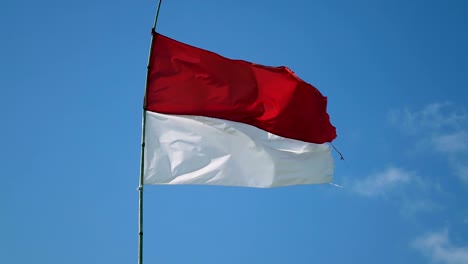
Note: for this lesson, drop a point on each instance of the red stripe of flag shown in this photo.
(186, 80)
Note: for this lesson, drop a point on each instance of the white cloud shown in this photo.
(462, 171)
(441, 128)
(439, 249)
(382, 182)
(433, 117)
(411, 207)
(451, 143)
(410, 193)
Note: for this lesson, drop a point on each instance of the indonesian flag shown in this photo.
(213, 120)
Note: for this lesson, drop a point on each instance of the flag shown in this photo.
(214, 120)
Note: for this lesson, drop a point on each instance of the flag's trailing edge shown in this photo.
(213, 120)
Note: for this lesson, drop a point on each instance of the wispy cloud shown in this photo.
(413, 206)
(433, 117)
(462, 171)
(409, 192)
(451, 143)
(439, 249)
(383, 182)
(442, 128)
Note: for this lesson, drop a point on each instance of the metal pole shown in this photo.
(142, 154)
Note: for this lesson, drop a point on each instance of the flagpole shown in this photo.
(142, 154)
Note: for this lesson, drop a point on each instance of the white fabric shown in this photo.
(203, 150)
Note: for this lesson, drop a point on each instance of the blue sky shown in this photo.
(396, 76)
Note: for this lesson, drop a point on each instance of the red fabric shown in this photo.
(186, 80)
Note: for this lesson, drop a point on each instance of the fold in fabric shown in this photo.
(181, 149)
